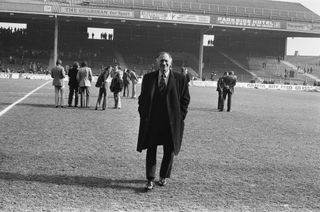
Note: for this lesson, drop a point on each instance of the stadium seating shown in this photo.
(271, 70)
(306, 64)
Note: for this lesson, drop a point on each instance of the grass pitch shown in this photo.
(263, 156)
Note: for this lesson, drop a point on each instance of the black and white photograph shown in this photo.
(160, 105)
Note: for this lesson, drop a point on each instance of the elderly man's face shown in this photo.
(164, 62)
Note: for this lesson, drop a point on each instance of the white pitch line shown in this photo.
(23, 98)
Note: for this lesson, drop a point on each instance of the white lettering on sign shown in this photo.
(99, 12)
(303, 27)
(245, 22)
(177, 17)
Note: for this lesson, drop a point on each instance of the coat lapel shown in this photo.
(153, 85)
(171, 86)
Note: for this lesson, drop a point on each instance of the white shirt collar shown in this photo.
(166, 76)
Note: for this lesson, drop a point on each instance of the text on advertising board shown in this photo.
(303, 27)
(97, 12)
(179, 17)
(245, 22)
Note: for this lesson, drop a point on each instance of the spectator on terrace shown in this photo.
(228, 89)
(134, 80)
(12, 60)
(73, 84)
(84, 77)
(102, 84)
(58, 75)
(126, 82)
(163, 106)
(116, 87)
(264, 65)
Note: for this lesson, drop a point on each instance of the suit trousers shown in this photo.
(59, 92)
(84, 92)
(126, 90)
(73, 90)
(166, 164)
(102, 95)
(134, 88)
(220, 99)
(117, 100)
(225, 95)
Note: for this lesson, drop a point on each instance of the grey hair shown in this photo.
(161, 56)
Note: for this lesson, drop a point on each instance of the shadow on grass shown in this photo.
(35, 105)
(208, 109)
(5, 103)
(91, 182)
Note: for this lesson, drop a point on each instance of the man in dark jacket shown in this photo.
(73, 84)
(220, 91)
(228, 89)
(163, 105)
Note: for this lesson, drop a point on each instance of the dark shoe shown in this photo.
(96, 108)
(162, 182)
(76, 106)
(69, 106)
(62, 106)
(56, 106)
(149, 185)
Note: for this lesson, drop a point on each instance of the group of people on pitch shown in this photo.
(225, 88)
(80, 80)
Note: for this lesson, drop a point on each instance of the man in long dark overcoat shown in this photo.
(163, 106)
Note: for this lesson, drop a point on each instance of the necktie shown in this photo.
(162, 85)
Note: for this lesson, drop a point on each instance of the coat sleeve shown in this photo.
(184, 97)
(141, 99)
(63, 73)
(90, 75)
(78, 77)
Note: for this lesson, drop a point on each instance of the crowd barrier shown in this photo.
(260, 86)
(24, 76)
(197, 83)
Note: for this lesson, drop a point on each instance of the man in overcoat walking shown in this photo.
(163, 105)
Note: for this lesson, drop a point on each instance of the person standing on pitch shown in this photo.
(228, 89)
(126, 82)
(220, 91)
(163, 105)
(73, 84)
(116, 87)
(58, 74)
(134, 80)
(84, 78)
(102, 84)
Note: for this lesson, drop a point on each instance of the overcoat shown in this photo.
(178, 99)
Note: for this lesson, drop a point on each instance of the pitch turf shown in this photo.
(263, 156)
